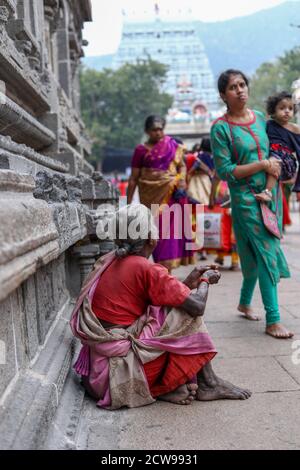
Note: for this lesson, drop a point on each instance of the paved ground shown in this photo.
(270, 419)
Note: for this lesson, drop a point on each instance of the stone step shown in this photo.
(27, 413)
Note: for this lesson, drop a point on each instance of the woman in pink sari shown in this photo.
(142, 331)
(158, 170)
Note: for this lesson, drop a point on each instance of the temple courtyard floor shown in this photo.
(247, 357)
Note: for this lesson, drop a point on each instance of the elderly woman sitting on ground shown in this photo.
(141, 328)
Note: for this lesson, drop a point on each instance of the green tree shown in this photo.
(291, 63)
(115, 103)
(272, 77)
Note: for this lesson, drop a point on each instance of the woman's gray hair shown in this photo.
(134, 226)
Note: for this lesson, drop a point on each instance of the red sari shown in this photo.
(126, 288)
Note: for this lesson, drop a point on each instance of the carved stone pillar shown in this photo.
(51, 9)
(63, 46)
(4, 17)
(101, 199)
(51, 13)
(86, 255)
(11, 6)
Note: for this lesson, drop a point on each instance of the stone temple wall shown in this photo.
(49, 196)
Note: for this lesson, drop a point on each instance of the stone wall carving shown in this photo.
(35, 68)
(20, 60)
(51, 9)
(69, 117)
(50, 204)
(23, 127)
(23, 159)
(28, 236)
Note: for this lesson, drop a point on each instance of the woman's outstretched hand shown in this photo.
(212, 275)
(192, 281)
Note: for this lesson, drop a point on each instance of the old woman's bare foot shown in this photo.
(183, 395)
(248, 313)
(277, 330)
(211, 387)
(222, 392)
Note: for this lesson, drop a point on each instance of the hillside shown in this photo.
(249, 41)
(244, 42)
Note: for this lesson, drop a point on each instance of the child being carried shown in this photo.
(284, 139)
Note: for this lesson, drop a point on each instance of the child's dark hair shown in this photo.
(273, 101)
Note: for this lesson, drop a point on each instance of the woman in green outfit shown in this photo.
(241, 154)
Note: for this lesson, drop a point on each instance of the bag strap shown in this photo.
(238, 162)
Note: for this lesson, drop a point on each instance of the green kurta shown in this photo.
(250, 143)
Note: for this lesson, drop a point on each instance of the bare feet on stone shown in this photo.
(211, 387)
(183, 395)
(248, 313)
(277, 330)
(221, 390)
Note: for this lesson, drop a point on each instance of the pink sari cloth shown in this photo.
(111, 360)
(161, 168)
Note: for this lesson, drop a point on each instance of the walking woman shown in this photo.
(159, 171)
(241, 154)
(200, 168)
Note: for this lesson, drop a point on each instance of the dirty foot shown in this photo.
(248, 313)
(221, 390)
(183, 395)
(211, 387)
(277, 330)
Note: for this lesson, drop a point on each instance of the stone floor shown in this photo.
(270, 419)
